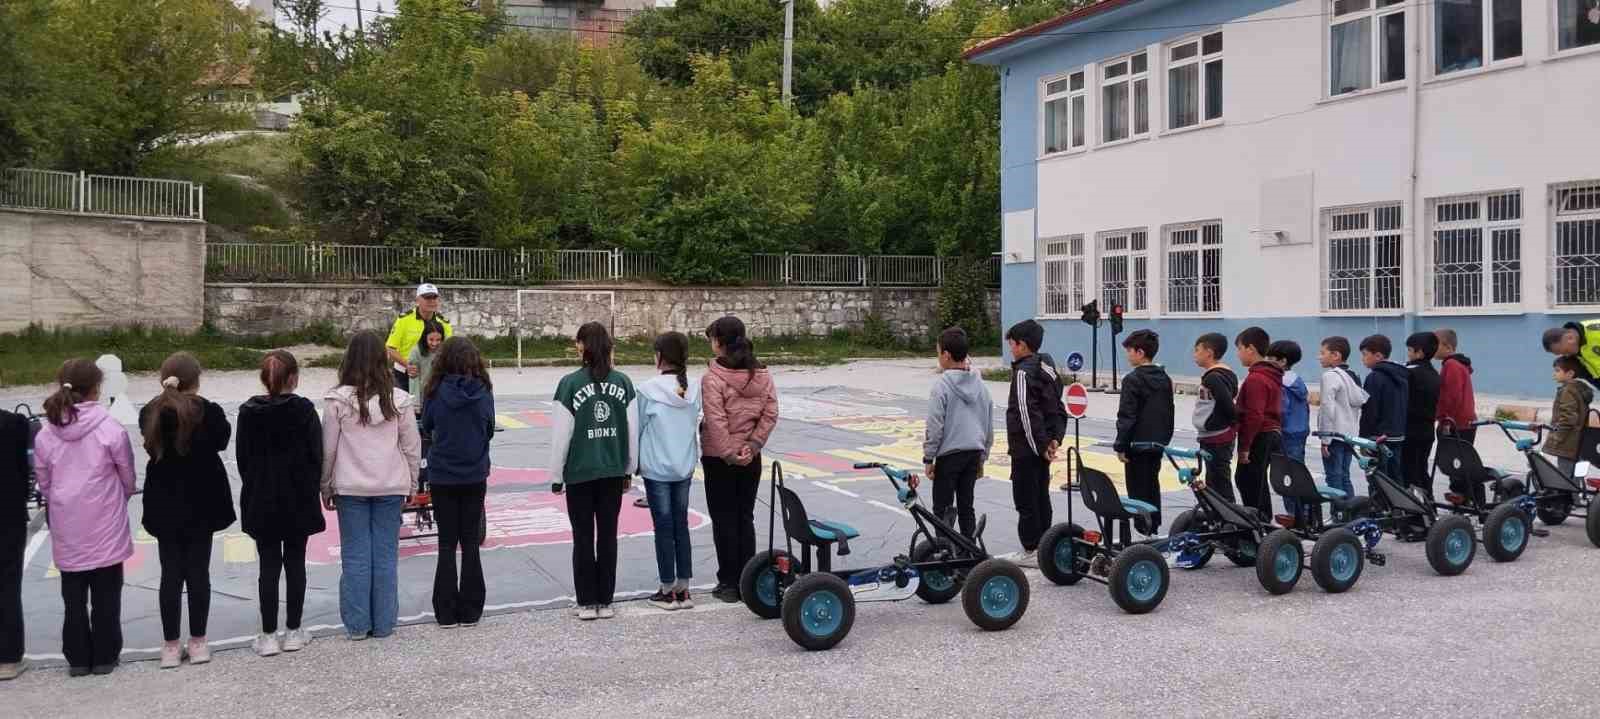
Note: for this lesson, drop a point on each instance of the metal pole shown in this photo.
(788, 51)
(359, 29)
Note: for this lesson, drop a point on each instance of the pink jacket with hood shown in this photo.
(85, 471)
(380, 459)
(740, 408)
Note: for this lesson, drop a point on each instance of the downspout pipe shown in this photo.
(1414, 248)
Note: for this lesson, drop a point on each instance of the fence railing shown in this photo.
(242, 262)
(27, 189)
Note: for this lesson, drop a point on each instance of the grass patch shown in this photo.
(34, 355)
(997, 374)
(231, 203)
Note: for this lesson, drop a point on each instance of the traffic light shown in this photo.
(1116, 319)
(1091, 313)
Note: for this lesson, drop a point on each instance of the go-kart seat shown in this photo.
(1291, 479)
(1458, 459)
(815, 532)
(1550, 478)
(1101, 497)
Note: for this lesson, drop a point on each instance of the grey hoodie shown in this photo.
(1342, 397)
(960, 416)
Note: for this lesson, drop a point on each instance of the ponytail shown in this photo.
(738, 352)
(78, 379)
(596, 343)
(277, 368)
(673, 350)
(180, 375)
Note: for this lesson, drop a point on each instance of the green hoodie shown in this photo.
(596, 428)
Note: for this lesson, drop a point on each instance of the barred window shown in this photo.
(1124, 270)
(1475, 257)
(1194, 268)
(1062, 281)
(1575, 245)
(1362, 257)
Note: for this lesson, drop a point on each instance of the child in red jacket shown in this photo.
(1260, 412)
(1457, 406)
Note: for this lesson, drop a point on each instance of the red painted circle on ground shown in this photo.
(1077, 399)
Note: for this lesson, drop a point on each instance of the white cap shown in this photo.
(426, 289)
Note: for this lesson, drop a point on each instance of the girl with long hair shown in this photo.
(669, 448)
(741, 410)
(459, 416)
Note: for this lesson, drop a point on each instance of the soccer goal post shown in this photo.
(558, 313)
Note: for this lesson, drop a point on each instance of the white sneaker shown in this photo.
(588, 614)
(266, 645)
(606, 612)
(13, 670)
(1029, 559)
(296, 639)
(171, 655)
(199, 651)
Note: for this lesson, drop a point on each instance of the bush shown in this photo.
(964, 300)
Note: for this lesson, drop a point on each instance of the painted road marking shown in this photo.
(506, 421)
(238, 549)
(832, 488)
(889, 507)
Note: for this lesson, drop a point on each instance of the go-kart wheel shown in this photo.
(818, 611)
(1451, 545)
(938, 585)
(1279, 561)
(996, 594)
(1139, 579)
(758, 584)
(1592, 523)
(1555, 510)
(1337, 560)
(1059, 555)
(1505, 533)
(1187, 522)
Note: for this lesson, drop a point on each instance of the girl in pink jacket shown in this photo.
(741, 409)
(84, 463)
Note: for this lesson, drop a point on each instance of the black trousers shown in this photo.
(185, 563)
(91, 633)
(13, 541)
(1414, 458)
(1143, 473)
(402, 381)
(1030, 492)
(954, 476)
(1252, 476)
(286, 557)
(731, 500)
(459, 511)
(1219, 469)
(592, 508)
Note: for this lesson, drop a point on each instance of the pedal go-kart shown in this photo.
(1498, 501)
(1340, 550)
(1556, 494)
(818, 603)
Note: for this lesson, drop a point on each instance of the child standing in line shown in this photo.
(186, 499)
(1144, 414)
(1568, 414)
(1384, 414)
(14, 473)
(1422, 405)
(669, 449)
(1340, 411)
(422, 358)
(595, 449)
(959, 432)
(1036, 421)
(371, 452)
(1296, 409)
(279, 452)
(1458, 407)
(741, 410)
(83, 463)
(459, 416)
(1215, 421)
(1260, 410)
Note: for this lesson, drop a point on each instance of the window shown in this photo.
(1064, 108)
(1124, 270)
(1366, 44)
(1194, 81)
(1476, 251)
(1363, 258)
(1194, 268)
(1063, 275)
(1125, 98)
(1577, 24)
(1466, 32)
(1576, 245)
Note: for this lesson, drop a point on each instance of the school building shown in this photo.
(1316, 167)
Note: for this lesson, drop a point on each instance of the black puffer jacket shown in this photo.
(280, 464)
(186, 494)
(1145, 412)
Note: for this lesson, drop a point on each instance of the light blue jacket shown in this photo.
(669, 435)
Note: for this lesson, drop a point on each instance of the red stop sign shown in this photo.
(1077, 400)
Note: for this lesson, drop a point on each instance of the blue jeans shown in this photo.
(369, 557)
(1294, 447)
(1336, 468)
(669, 511)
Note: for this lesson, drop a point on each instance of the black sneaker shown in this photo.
(727, 593)
(77, 671)
(663, 600)
(104, 669)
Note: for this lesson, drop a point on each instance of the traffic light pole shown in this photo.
(1094, 357)
(1113, 389)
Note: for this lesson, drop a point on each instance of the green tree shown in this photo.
(20, 84)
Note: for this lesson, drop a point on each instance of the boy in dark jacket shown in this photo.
(1035, 423)
(1214, 415)
(1384, 414)
(1422, 402)
(1457, 405)
(1260, 410)
(1145, 414)
(14, 471)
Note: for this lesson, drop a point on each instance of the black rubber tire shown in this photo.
(762, 562)
(1049, 544)
(1265, 561)
(1323, 555)
(1492, 537)
(924, 552)
(1592, 523)
(1554, 511)
(1119, 582)
(1182, 524)
(1438, 544)
(972, 595)
(794, 607)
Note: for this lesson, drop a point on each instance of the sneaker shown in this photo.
(267, 645)
(12, 670)
(1027, 558)
(359, 637)
(588, 614)
(101, 670)
(683, 599)
(296, 639)
(642, 502)
(727, 593)
(472, 623)
(448, 625)
(663, 600)
(606, 612)
(171, 655)
(77, 671)
(199, 653)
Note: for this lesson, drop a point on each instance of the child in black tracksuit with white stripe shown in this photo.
(1036, 421)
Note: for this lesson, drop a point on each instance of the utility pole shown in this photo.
(788, 52)
(359, 29)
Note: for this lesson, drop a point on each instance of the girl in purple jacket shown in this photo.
(84, 463)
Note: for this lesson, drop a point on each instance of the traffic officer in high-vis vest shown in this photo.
(1580, 339)
(407, 332)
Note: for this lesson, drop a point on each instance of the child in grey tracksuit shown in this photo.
(960, 431)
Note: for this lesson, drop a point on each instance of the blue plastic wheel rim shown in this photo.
(1144, 581)
(822, 613)
(1513, 533)
(999, 597)
(1457, 546)
(1342, 562)
(938, 580)
(1286, 563)
(1064, 557)
(767, 588)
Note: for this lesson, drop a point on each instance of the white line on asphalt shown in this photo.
(889, 507)
(34, 545)
(832, 488)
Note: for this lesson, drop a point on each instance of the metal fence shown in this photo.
(101, 194)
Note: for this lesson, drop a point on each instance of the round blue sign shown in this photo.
(1075, 361)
